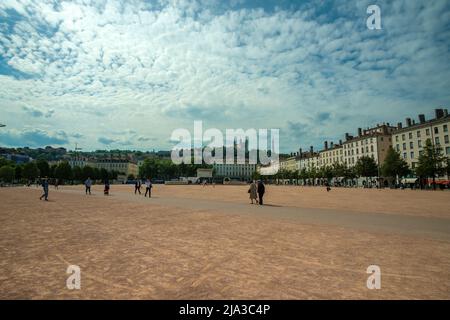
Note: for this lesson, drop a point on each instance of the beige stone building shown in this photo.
(331, 154)
(289, 164)
(410, 139)
(307, 160)
(122, 166)
(373, 142)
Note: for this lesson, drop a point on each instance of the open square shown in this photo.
(195, 242)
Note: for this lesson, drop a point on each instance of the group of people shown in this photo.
(256, 191)
(148, 187)
(88, 185)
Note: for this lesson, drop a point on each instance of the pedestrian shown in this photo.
(56, 184)
(261, 190)
(148, 187)
(106, 190)
(137, 186)
(45, 188)
(88, 184)
(253, 192)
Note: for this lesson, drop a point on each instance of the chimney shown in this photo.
(347, 136)
(388, 124)
(408, 122)
(326, 145)
(332, 145)
(340, 142)
(292, 154)
(445, 112)
(439, 113)
(359, 132)
(300, 153)
(421, 118)
(399, 125)
(311, 149)
(414, 122)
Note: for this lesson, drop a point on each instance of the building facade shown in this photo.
(410, 139)
(372, 142)
(239, 171)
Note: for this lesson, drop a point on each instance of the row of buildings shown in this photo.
(124, 167)
(407, 139)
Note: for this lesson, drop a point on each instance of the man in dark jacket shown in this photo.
(45, 189)
(261, 190)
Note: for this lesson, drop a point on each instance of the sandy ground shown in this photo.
(193, 242)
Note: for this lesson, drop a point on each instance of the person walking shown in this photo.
(107, 186)
(148, 188)
(261, 191)
(56, 184)
(137, 186)
(45, 188)
(88, 184)
(253, 192)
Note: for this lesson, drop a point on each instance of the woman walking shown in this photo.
(252, 192)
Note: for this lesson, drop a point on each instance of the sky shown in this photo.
(110, 74)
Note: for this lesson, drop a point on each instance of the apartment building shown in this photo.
(307, 160)
(122, 166)
(331, 154)
(410, 139)
(373, 142)
(289, 164)
(234, 170)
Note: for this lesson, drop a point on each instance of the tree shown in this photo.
(30, 171)
(77, 173)
(104, 174)
(366, 167)
(43, 167)
(63, 171)
(7, 173)
(394, 165)
(431, 162)
(18, 172)
(88, 172)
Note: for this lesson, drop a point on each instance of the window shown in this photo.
(447, 150)
(436, 140)
(446, 139)
(418, 134)
(436, 130)
(404, 146)
(419, 143)
(396, 138)
(404, 155)
(397, 147)
(445, 128)
(403, 137)
(410, 135)
(371, 148)
(412, 155)
(411, 145)
(427, 132)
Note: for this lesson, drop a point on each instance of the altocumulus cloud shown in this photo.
(151, 67)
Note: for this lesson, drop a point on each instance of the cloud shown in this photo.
(33, 138)
(108, 66)
(38, 113)
(106, 141)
